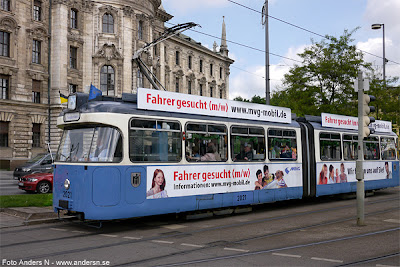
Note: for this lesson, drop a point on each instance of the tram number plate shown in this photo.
(243, 197)
(67, 194)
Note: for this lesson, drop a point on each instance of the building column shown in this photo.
(59, 65)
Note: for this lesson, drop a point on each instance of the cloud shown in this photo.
(250, 81)
(385, 12)
(187, 6)
(374, 46)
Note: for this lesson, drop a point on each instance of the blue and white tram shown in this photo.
(120, 158)
(332, 165)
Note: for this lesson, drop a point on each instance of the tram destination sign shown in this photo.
(192, 104)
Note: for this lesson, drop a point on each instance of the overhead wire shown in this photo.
(243, 45)
(240, 44)
(281, 20)
(304, 29)
(233, 43)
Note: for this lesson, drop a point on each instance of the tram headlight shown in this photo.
(72, 102)
(67, 184)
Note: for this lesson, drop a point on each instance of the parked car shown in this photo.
(41, 163)
(38, 182)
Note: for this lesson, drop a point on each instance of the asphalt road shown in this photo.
(322, 232)
(9, 186)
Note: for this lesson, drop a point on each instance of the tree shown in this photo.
(239, 98)
(255, 99)
(324, 80)
(387, 103)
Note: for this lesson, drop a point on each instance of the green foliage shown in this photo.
(387, 103)
(28, 200)
(258, 99)
(324, 81)
(255, 99)
(239, 98)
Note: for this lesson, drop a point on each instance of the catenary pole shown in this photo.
(359, 162)
(265, 22)
(384, 57)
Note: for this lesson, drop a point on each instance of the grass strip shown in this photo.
(38, 200)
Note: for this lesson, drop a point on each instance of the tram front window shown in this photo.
(97, 144)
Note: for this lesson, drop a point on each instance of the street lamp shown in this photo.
(377, 26)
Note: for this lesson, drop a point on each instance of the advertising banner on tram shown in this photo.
(193, 104)
(177, 181)
(348, 122)
(343, 172)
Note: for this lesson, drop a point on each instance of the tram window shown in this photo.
(371, 148)
(142, 124)
(94, 144)
(329, 146)
(206, 142)
(350, 144)
(388, 148)
(248, 143)
(154, 141)
(282, 144)
(196, 127)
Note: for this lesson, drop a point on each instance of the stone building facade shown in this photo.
(48, 47)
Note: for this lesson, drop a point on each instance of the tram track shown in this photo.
(214, 244)
(387, 256)
(223, 243)
(164, 236)
(18, 230)
(247, 254)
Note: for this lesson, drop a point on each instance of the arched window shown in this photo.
(108, 23)
(107, 80)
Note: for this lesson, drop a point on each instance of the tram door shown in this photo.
(308, 155)
(106, 186)
(135, 185)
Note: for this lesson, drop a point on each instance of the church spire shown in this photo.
(224, 47)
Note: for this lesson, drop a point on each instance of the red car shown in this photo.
(38, 182)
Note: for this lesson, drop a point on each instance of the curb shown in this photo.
(25, 217)
(29, 215)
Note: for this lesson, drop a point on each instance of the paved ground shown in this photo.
(322, 232)
(13, 217)
(9, 186)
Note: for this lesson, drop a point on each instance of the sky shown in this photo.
(243, 26)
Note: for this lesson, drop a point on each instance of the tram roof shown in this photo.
(128, 105)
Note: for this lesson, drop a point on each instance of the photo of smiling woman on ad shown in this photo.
(157, 186)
